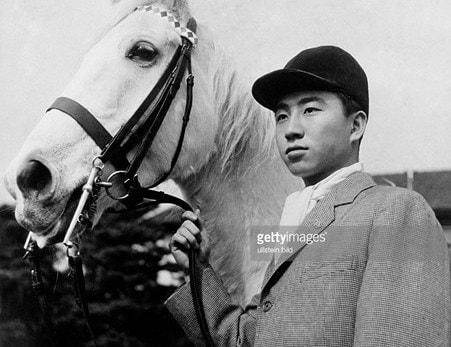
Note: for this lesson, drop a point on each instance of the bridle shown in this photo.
(137, 133)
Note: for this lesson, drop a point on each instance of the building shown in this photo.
(434, 186)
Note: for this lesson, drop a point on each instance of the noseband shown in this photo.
(137, 133)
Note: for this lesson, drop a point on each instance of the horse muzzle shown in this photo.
(36, 181)
(40, 202)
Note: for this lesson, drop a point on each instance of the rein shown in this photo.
(138, 132)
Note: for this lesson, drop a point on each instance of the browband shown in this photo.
(186, 32)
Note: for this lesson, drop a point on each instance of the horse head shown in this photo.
(228, 165)
(114, 78)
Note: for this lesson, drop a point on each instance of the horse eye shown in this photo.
(142, 52)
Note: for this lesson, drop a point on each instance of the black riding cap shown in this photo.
(326, 68)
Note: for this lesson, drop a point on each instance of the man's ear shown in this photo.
(359, 120)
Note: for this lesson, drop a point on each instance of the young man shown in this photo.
(380, 278)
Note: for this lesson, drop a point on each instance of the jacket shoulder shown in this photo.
(400, 203)
(397, 194)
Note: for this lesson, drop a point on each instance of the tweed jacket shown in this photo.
(380, 278)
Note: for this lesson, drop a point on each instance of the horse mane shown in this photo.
(245, 137)
(240, 181)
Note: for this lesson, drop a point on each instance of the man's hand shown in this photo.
(188, 236)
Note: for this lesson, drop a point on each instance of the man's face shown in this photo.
(313, 134)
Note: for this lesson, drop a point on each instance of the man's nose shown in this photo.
(295, 129)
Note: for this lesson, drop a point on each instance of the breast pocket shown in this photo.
(329, 267)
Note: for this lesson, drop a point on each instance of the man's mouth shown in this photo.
(296, 149)
(295, 153)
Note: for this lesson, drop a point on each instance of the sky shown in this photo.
(404, 47)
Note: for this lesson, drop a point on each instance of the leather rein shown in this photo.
(137, 133)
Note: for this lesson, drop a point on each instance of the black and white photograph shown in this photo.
(225, 173)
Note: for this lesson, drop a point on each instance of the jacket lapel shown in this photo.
(322, 215)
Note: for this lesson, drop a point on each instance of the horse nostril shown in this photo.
(34, 178)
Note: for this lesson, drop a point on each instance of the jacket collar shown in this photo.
(346, 191)
(323, 214)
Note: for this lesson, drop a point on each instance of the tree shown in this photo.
(128, 273)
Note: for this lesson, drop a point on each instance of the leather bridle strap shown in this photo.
(161, 108)
(33, 256)
(89, 123)
(132, 132)
(76, 266)
(185, 120)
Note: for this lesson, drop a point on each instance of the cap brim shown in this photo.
(270, 88)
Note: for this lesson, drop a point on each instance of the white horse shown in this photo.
(228, 166)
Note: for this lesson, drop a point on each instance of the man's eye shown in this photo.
(280, 117)
(310, 110)
(142, 52)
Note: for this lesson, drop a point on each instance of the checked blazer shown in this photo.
(380, 278)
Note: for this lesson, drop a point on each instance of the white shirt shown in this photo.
(300, 203)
